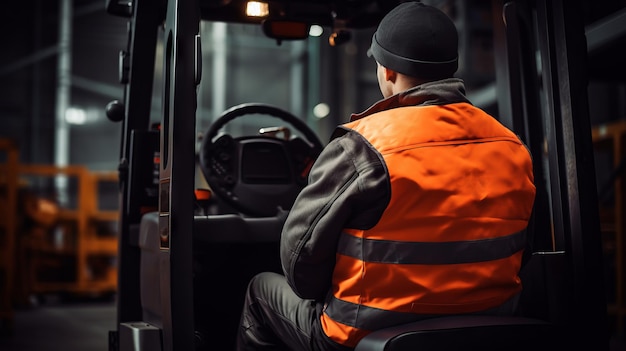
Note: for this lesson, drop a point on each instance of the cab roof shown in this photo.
(342, 14)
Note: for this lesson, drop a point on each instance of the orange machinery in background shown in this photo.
(76, 251)
(8, 226)
(64, 247)
(610, 139)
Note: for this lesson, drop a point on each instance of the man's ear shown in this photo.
(390, 75)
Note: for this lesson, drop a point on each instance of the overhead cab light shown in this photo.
(257, 9)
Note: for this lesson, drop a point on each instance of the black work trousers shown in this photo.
(275, 318)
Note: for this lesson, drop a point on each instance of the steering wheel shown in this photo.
(258, 174)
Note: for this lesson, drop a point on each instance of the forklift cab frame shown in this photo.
(540, 52)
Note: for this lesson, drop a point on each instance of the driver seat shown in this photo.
(467, 332)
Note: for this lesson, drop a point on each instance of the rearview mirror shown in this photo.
(285, 30)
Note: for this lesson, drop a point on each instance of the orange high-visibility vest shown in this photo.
(452, 237)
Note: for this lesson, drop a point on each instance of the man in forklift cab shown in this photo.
(416, 208)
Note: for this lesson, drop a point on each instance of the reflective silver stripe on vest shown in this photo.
(369, 318)
(453, 252)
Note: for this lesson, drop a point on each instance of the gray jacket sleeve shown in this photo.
(348, 188)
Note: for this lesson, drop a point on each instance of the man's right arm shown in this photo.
(348, 187)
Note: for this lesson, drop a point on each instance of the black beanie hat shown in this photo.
(417, 40)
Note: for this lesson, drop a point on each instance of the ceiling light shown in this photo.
(257, 9)
(316, 30)
(75, 116)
